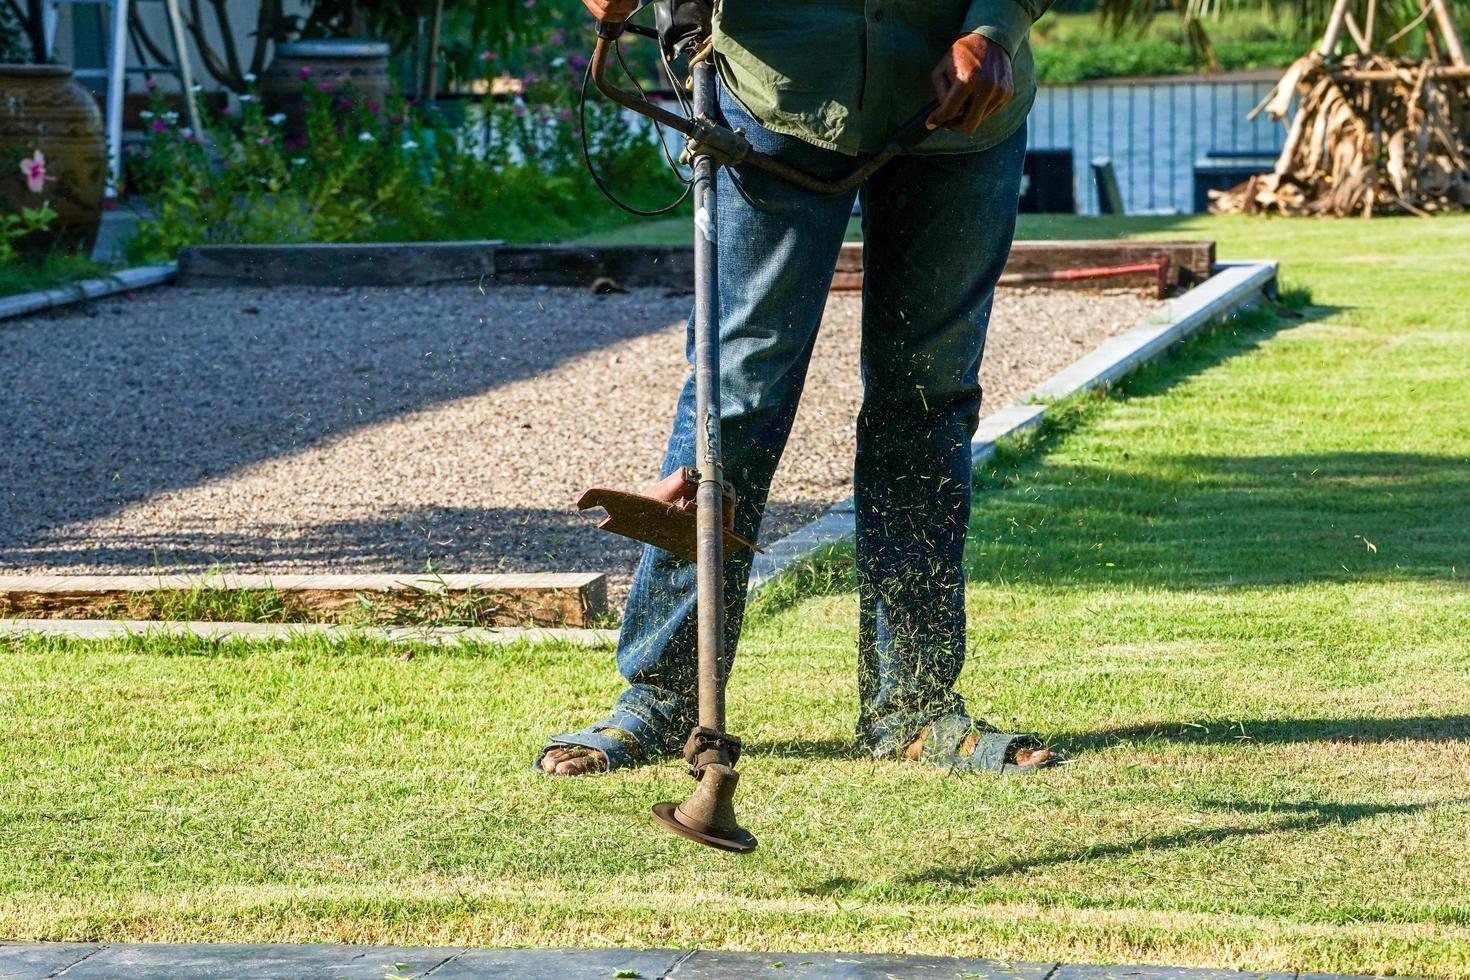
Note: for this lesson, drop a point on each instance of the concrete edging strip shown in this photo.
(121, 281)
(116, 629)
(1236, 286)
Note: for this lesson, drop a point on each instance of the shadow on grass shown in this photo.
(1301, 816)
(1217, 521)
(1208, 731)
(806, 748)
(1220, 522)
(1278, 731)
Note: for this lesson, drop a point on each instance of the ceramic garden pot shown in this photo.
(43, 110)
(342, 66)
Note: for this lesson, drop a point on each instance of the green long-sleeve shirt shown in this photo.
(845, 74)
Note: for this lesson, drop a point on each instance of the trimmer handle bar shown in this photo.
(730, 146)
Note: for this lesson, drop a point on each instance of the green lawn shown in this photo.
(1237, 596)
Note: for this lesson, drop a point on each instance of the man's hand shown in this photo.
(615, 11)
(973, 82)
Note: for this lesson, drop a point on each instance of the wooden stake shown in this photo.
(1359, 38)
(1447, 32)
(1334, 28)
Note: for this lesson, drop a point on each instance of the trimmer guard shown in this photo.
(663, 517)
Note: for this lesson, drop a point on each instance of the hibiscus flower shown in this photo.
(34, 169)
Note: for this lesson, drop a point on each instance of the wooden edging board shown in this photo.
(496, 263)
(541, 599)
(1234, 288)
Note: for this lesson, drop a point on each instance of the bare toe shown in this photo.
(564, 761)
(582, 765)
(1034, 757)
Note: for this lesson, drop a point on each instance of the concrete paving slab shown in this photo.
(561, 964)
(274, 961)
(1085, 972)
(238, 961)
(25, 961)
(811, 966)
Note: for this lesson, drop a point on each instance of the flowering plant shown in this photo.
(29, 220)
(393, 172)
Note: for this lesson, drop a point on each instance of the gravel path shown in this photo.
(379, 430)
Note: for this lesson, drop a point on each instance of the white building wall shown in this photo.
(242, 16)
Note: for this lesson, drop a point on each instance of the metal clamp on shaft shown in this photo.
(726, 147)
(707, 747)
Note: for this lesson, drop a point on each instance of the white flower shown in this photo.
(186, 132)
(249, 98)
(250, 78)
(276, 119)
(366, 137)
(410, 145)
(145, 114)
(558, 62)
(297, 161)
(196, 87)
(171, 116)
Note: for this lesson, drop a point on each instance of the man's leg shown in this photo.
(937, 230)
(778, 246)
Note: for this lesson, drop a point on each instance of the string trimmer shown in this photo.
(691, 513)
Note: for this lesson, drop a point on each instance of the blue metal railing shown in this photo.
(1153, 131)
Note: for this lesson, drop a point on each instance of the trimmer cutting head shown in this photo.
(663, 517)
(708, 816)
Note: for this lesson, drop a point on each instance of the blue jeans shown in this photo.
(937, 229)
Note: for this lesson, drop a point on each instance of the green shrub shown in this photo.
(395, 172)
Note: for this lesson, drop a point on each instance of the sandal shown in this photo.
(619, 750)
(992, 750)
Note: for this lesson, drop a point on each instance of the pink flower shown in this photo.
(34, 169)
(149, 84)
(565, 115)
(304, 73)
(373, 108)
(487, 55)
(518, 109)
(159, 125)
